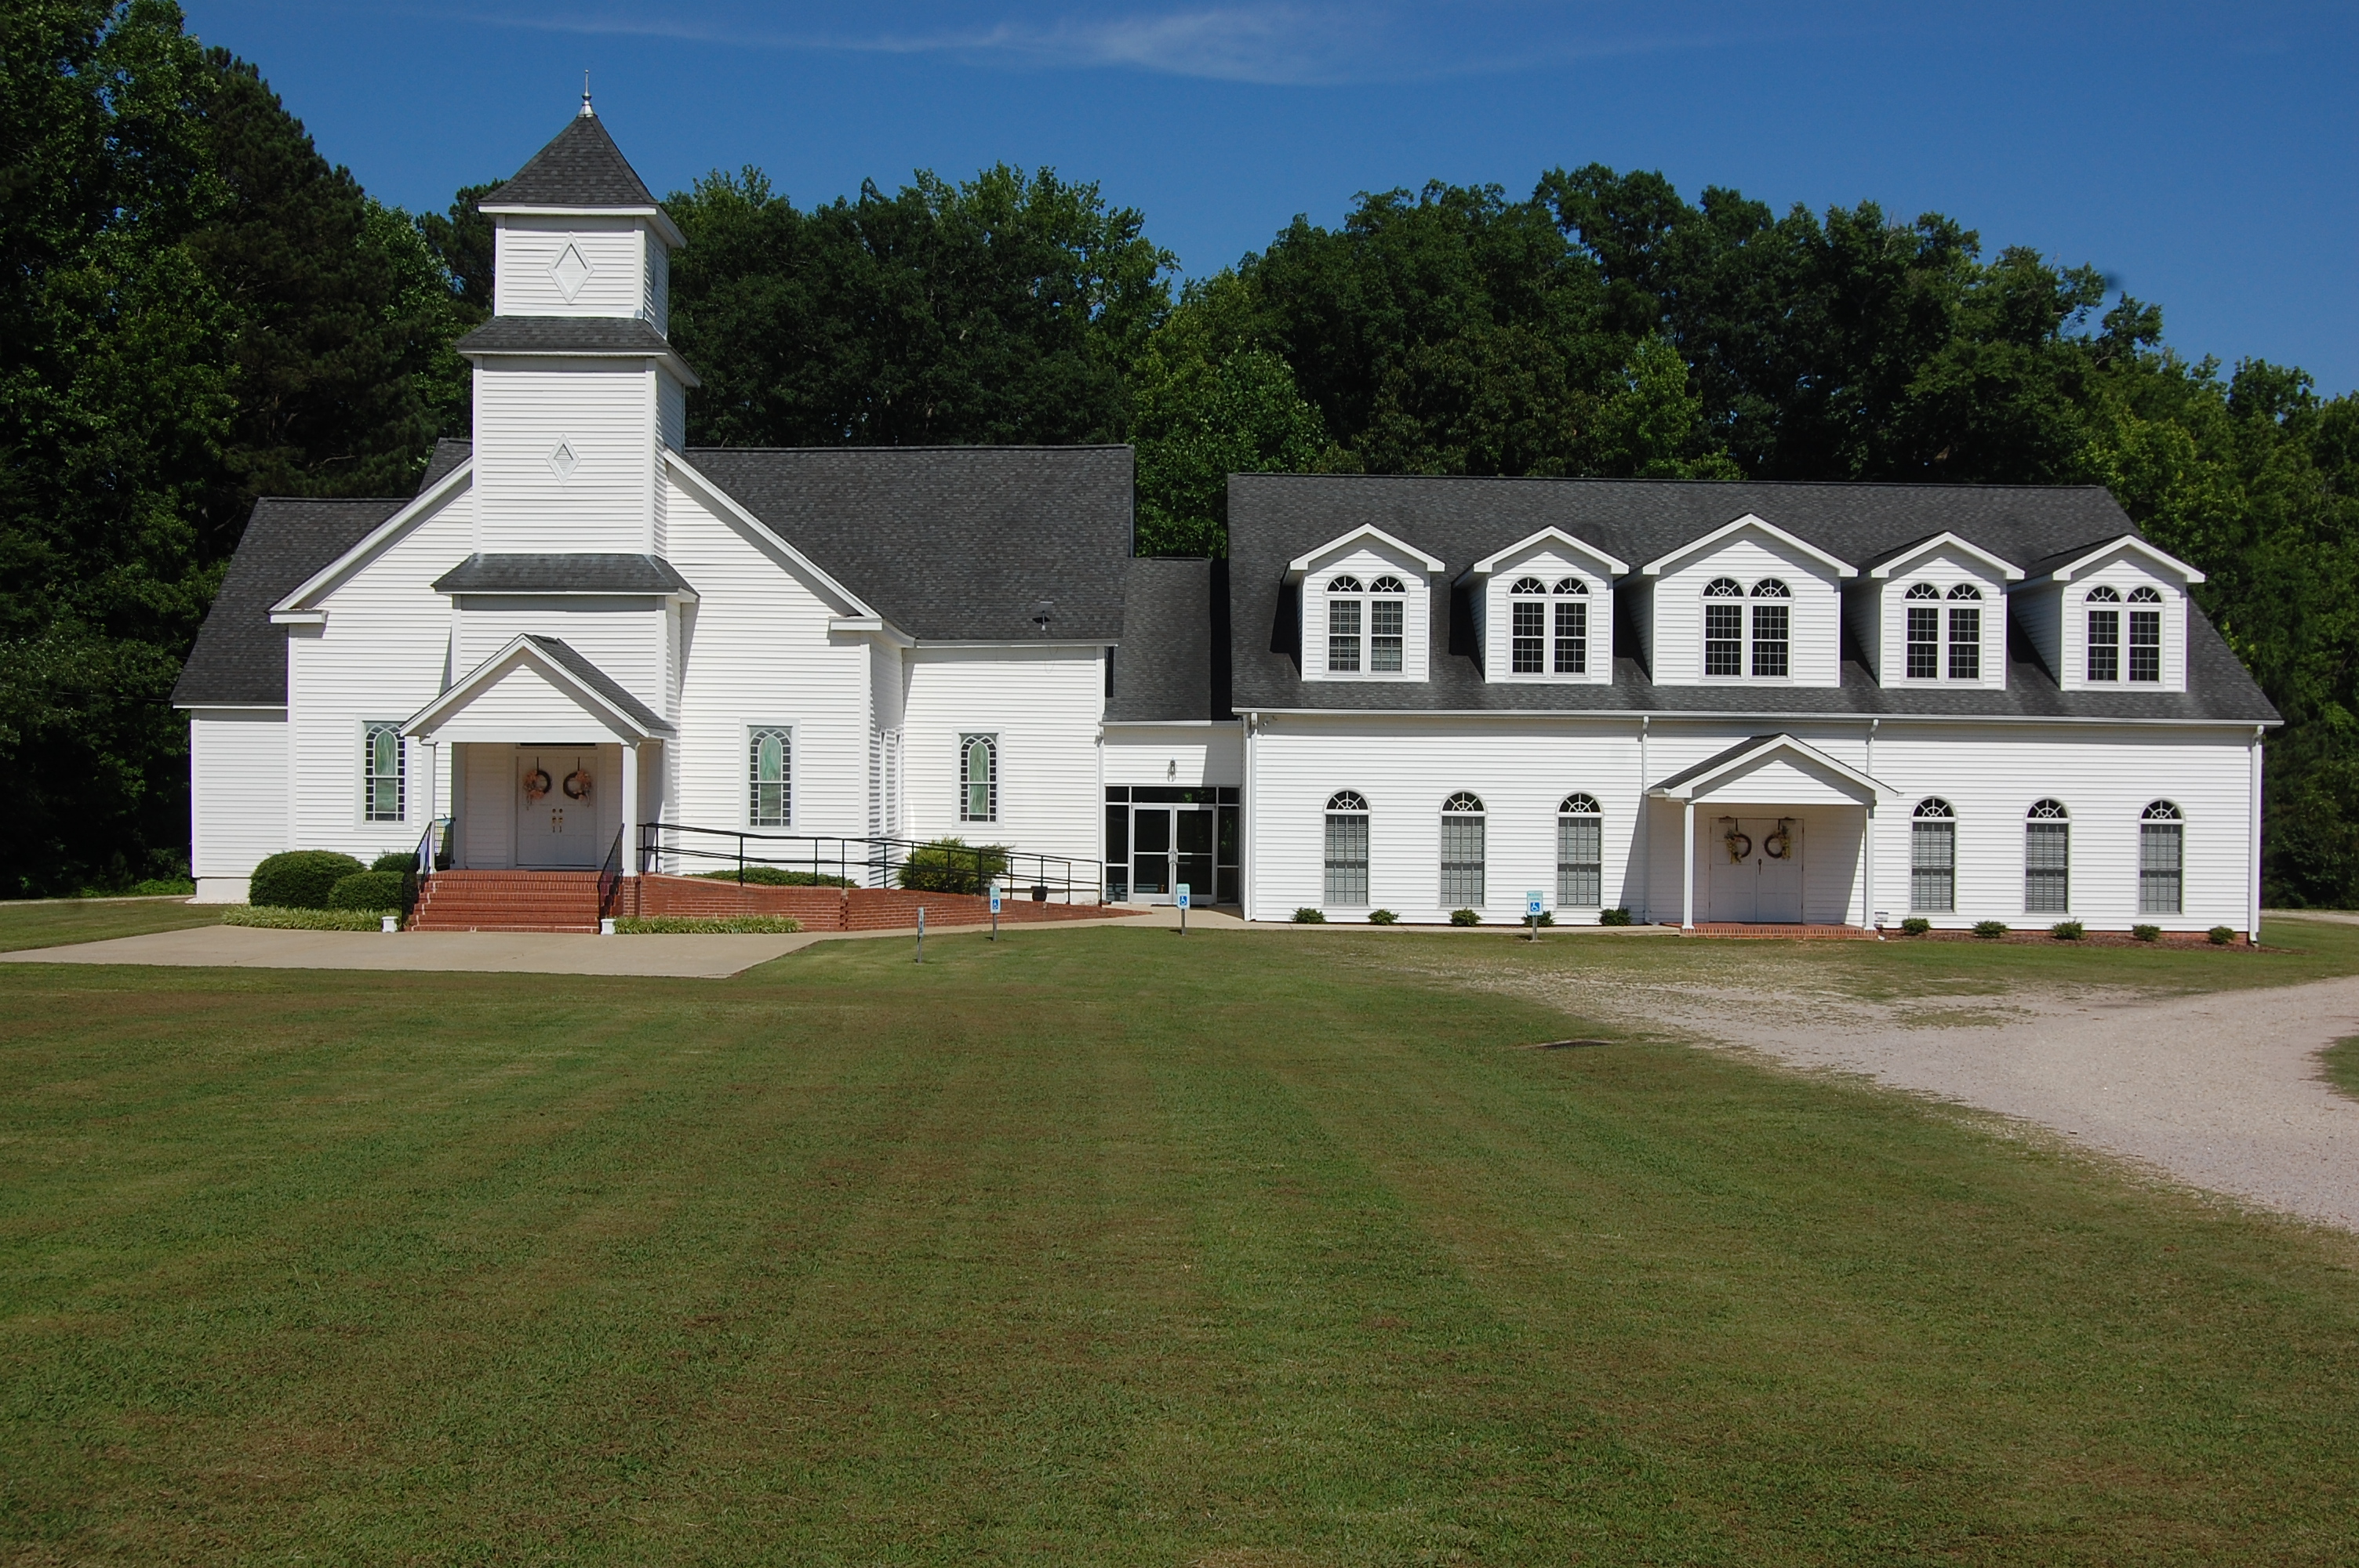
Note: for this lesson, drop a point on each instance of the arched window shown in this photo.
(2146, 634)
(1527, 630)
(1723, 627)
(1462, 851)
(1387, 613)
(2047, 859)
(1579, 853)
(1924, 631)
(1573, 627)
(978, 778)
(384, 775)
(1770, 627)
(1965, 632)
(770, 777)
(1343, 624)
(1347, 851)
(2104, 633)
(1933, 859)
(2161, 864)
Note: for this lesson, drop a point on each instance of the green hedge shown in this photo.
(733, 924)
(299, 879)
(777, 877)
(276, 919)
(374, 890)
(953, 865)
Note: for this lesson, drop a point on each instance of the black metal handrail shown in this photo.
(933, 866)
(610, 877)
(430, 847)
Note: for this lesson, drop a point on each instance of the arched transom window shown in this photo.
(1347, 849)
(2162, 847)
(1723, 627)
(1462, 851)
(2047, 858)
(1528, 626)
(1924, 624)
(2146, 634)
(2105, 625)
(1580, 852)
(1771, 618)
(1344, 630)
(1365, 624)
(1933, 859)
(1571, 627)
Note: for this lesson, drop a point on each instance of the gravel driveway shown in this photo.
(2221, 1091)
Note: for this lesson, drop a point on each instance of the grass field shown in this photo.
(48, 922)
(2342, 1060)
(1107, 1247)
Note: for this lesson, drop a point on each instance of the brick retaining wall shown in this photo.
(837, 909)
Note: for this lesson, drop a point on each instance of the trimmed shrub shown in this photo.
(2146, 933)
(2067, 931)
(780, 877)
(275, 919)
(724, 926)
(1382, 917)
(398, 861)
(1464, 917)
(1916, 926)
(1990, 930)
(372, 890)
(952, 865)
(1614, 917)
(1548, 917)
(299, 879)
(2221, 936)
(1307, 915)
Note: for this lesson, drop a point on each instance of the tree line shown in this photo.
(199, 309)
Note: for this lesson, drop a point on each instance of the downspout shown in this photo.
(1645, 820)
(1246, 814)
(1869, 890)
(2253, 846)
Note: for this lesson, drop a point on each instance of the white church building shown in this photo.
(582, 644)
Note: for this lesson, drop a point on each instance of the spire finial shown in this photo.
(587, 111)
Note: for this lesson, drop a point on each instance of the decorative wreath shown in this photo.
(536, 783)
(1778, 845)
(1739, 845)
(577, 782)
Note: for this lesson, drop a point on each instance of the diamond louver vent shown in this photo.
(570, 271)
(564, 460)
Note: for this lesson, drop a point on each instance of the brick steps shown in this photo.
(507, 901)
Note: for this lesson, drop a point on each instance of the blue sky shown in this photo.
(2204, 157)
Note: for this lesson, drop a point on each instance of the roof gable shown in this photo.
(1308, 561)
(566, 672)
(1746, 757)
(240, 658)
(2064, 565)
(1901, 559)
(1608, 565)
(1747, 523)
(304, 598)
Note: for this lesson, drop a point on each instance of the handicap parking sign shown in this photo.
(995, 898)
(1534, 902)
(1182, 890)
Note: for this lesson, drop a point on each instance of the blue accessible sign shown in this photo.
(1535, 901)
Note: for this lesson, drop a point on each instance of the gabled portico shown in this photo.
(552, 756)
(1759, 794)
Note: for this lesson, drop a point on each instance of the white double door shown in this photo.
(558, 792)
(1756, 869)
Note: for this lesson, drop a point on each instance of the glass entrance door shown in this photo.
(1150, 852)
(1159, 835)
(1194, 837)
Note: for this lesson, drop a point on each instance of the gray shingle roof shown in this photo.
(953, 543)
(565, 335)
(599, 681)
(562, 574)
(582, 167)
(448, 454)
(1163, 669)
(240, 658)
(1273, 518)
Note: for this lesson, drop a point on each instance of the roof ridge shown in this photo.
(944, 447)
(1702, 483)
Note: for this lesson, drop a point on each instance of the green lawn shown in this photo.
(1107, 1247)
(2342, 1060)
(48, 922)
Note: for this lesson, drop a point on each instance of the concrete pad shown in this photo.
(495, 952)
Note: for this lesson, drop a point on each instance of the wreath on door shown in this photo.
(1780, 844)
(1740, 845)
(536, 782)
(577, 782)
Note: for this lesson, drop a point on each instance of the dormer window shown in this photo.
(1924, 604)
(1770, 627)
(1528, 629)
(1723, 627)
(1965, 632)
(1388, 613)
(2105, 634)
(1573, 627)
(2146, 636)
(1344, 623)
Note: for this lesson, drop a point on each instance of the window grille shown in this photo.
(769, 770)
(1933, 859)
(2145, 636)
(1462, 851)
(1924, 633)
(1579, 853)
(1573, 629)
(1769, 628)
(1347, 851)
(1723, 628)
(2161, 867)
(1527, 633)
(2105, 635)
(1965, 633)
(2047, 859)
(978, 778)
(385, 774)
(1387, 618)
(1342, 626)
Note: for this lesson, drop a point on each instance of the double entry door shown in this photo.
(558, 792)
(1171, 845)
(1756, 869)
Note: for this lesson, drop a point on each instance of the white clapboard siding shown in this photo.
(625, 637)
(600, 410)
(1991, 775)
(238, 806)
(659, 273)
(1192, 755)
(1367, 561)
(1551, 564)
(671, 410)
(1045, 705)
(1814, 624)
(755, 650)
(524, 278)
(383, 654)
(520, 704)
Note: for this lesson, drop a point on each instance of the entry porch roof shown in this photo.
(1773, 770)
(537, 690)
